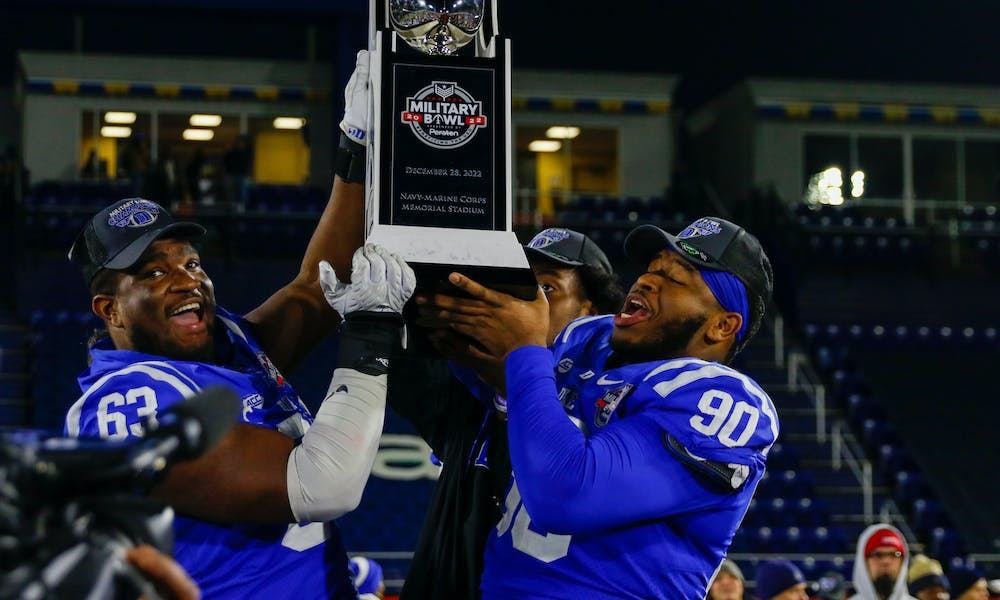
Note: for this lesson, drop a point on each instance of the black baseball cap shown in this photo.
(568, 247)
(713, 243)
(116, 237)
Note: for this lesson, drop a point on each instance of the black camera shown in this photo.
(70, 508)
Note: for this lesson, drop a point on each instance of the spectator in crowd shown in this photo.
(968, 584)
(831, 586)
(367, 577)
(927, 580)
(880, 564)
(780, 580)
(728, 583)
(192, 177)
(236, 165)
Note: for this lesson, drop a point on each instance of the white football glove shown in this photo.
(355, 123)
(380, 282)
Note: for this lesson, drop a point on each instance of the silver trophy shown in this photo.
(439, 153)
(437, 27)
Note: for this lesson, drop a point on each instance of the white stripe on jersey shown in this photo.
(149, 368)
(581, 321)
(712, 370)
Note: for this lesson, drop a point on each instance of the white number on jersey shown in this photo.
(112, 424)
(725, 417)
(546, 548)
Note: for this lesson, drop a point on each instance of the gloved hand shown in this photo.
(355, 123)
(380, 282)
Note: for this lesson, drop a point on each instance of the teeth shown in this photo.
(626, 315)
(188, 306)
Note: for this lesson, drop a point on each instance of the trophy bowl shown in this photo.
(437, 27)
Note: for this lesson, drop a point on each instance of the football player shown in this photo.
(635, 449)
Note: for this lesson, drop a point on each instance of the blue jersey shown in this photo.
(629, 482)
(123, 388)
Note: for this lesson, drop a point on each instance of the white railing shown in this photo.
(802, 378)
(846, 451)
(890, 513)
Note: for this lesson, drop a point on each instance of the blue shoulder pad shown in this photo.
(712, 411)
(579, 332)
(116, 405)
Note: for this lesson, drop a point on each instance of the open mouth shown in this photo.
(634, 310)
(191, 314)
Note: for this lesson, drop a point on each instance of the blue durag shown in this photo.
(731, 294)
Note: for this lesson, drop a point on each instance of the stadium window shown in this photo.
(114, 145)
(935, 169)
(586, 162)
(881, 159)
(982, 171)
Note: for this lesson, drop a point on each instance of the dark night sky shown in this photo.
(916, 40)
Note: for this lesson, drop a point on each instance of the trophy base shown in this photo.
(517, 282)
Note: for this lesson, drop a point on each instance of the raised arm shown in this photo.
(296, 318)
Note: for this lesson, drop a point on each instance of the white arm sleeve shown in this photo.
(328, 470)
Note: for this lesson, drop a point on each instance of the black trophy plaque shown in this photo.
(440, 159)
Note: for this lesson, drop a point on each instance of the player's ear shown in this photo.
(587, 309)
(726, 325)
(105, 307)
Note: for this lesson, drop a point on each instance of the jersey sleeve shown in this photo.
(117, 406)
(710, 413)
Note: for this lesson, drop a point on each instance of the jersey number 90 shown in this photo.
(724, 417)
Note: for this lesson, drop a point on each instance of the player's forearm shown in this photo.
(338, 234)
(327, 472)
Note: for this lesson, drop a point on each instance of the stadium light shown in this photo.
(857, 184)
(826, 187)
(115, 131)
(545, 146)
(119, 118)
(561, 132)
(198, 135)
(288, 123)
(205, 120)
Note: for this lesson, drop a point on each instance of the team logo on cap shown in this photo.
(443, 115)
(547, 238)
(701, 227)
(134, 213)
(686, 247)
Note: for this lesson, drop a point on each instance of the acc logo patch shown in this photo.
(701, 227)
(443, 115)
(547, 238)
(564, 365)
(606, 405)
(134, 213)
(251, 403)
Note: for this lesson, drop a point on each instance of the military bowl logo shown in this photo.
(548, 237)
(443, 115)
(134, 213)
(701, 227)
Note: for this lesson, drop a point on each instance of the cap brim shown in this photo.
(541, 253)
(646, 241)
(134, 251)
